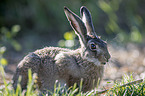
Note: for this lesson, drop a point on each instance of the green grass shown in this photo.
(127, 89)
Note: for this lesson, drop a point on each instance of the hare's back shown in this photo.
(47, 56)
(43, 58)
(50, 52)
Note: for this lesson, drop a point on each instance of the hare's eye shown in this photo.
(93, 46)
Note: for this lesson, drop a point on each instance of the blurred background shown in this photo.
(27, 25)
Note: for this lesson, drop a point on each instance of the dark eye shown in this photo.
(93, 46)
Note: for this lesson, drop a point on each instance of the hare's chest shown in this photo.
(93, 72)
(89, 79)
(91, 67)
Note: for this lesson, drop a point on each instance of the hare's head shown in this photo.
(92, 46)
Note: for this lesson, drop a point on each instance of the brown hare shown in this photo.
(68, 66)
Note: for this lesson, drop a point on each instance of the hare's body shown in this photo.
(68, 66)
(53, 63)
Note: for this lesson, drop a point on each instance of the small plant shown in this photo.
(7, 89)
(3, 61)
(7, 36)
(128, 87)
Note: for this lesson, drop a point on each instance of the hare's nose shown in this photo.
(107, 56)
(107, 60)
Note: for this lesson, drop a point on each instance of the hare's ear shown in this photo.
(87, 19)
(77, 24)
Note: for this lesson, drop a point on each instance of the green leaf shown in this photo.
(16, 45)
(3, 61)
(15, 29)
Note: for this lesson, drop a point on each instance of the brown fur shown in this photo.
(69, 67)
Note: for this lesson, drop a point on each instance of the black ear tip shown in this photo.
(83, 8)
(65, 8)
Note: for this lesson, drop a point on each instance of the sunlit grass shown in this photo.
(7, 89)
(127, 88)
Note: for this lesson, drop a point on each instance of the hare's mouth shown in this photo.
(103, 63)
(103, 60)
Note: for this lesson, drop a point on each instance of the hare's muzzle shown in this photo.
(104, 58)
(107, 56)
